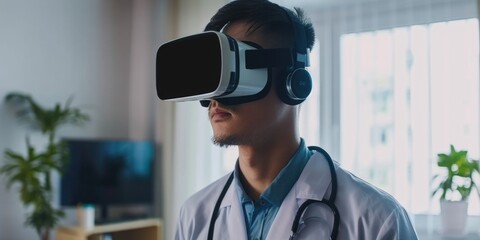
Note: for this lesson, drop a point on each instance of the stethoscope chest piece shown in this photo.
(315, 218)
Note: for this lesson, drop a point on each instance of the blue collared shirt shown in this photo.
(259, 215)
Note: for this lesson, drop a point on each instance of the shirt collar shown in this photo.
(282, 184)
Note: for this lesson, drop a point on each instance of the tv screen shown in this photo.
(108, 172)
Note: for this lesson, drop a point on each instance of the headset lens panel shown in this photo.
(189, 66)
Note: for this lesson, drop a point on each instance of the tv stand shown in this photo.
(145, 229)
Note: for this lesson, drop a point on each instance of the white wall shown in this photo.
(54, 49)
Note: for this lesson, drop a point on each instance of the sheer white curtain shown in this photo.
(197, 162)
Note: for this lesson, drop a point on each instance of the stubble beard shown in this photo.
(225, 141)
(230, 140)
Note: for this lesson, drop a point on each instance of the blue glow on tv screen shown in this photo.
(108, 172)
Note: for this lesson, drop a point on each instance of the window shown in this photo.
(406, 94)
(399, 83)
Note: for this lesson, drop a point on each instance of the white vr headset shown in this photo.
(212, 65)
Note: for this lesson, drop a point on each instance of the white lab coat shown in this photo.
(366, 212)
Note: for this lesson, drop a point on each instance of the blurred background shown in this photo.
(395, 83)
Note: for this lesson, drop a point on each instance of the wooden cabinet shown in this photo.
(146, 229)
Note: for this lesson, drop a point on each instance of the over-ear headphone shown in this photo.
(297, 85)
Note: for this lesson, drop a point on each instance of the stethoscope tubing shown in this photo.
(217, 207)
(330, 202)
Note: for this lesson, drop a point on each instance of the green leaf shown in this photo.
(464, 191)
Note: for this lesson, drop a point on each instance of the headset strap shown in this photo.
(272, 57)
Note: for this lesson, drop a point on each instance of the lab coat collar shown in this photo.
(315, 179)
(231, 201)
(314, 182)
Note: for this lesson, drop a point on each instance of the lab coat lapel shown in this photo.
(313, 183)
(230, 222)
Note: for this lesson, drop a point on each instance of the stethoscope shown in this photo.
(330, 202)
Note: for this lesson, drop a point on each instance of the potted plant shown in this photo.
(32, 171)
(454, 188)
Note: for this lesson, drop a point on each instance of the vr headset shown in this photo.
(213, 65)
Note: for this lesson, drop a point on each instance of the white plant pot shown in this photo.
(453, 216)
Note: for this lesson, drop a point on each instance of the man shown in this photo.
(276, 173)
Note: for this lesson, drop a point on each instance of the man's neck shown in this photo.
(260, 165)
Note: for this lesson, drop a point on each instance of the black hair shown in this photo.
(264, 15)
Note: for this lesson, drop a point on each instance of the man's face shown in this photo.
(254, 123)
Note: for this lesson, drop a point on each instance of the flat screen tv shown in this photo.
(106, 173)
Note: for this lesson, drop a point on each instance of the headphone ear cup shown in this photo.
(295, 87)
